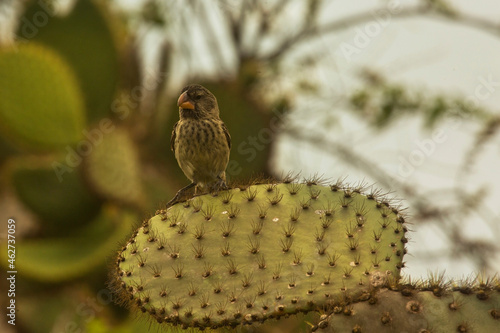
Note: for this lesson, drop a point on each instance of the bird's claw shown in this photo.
(220, 184)
(179, 193)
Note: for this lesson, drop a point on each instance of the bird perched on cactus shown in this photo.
(200, 140)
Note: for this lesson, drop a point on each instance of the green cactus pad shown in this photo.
(41, 106)
(69, 199)
(90, 49)
(61, 259)
(112, 168)
(467, 310)
(262, 252)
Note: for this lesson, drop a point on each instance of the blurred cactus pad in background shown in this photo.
(85, 125)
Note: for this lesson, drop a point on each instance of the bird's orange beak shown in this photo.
(184, 102)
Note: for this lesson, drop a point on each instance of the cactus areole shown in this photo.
(264, 251)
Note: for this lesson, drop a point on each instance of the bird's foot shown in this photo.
(179, 194)
(220, 184)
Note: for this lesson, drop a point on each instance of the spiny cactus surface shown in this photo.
(262, 252)
(465, 310)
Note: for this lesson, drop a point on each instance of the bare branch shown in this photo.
(483, 137)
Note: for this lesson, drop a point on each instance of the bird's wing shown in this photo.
(172, 138)
(226, 133)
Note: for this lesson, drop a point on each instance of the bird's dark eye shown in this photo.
(197, 97)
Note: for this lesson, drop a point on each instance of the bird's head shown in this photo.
(197, 101)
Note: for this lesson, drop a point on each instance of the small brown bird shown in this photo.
(200, 140)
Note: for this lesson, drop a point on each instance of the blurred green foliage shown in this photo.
(113, 170)
(31, 73)
(79, 156)
(39, 313)
(69, 204)
(88, 39)
(380, 103)
(78, 253)
(56, 84)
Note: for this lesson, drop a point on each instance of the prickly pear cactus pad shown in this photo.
(467, 310)
(262, 252)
